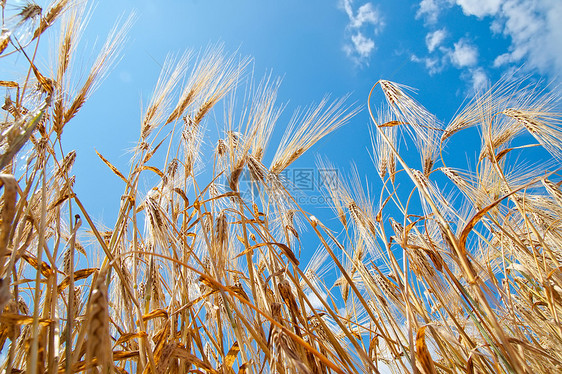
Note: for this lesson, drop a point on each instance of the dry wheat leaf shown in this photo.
(61, 200)
(155, 314)
(128, 336)
(244, 368)
(153, 169)
(79, 274)
(241, 240)
(46, 270)
(392, 124)
(113, 168)
(231, 355)
(46, 83)
(207, 281)
(10, 84)
(422, 352)
(123, 355)
(18, 319)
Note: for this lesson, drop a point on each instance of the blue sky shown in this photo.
(446, 49)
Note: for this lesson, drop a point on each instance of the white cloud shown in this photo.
(429, 10)
(480, 81)
(435, 38)
(365, 14)
(476, 79)
(479, 8)
(464, 54)
(362, 45)
(534, 28)
(346, 5)
(433, 65)
(363, 25)
(502, 59)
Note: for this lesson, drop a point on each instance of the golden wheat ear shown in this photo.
(106, 59)
(18, 134)
(308, 127)
(98, 343)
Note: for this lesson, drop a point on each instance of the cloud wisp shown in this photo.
(435, 39)
(535, 30)
(464, 54)
(429, 10)
(532, 27)
(364, 23)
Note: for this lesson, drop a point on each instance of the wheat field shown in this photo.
(440, 270)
